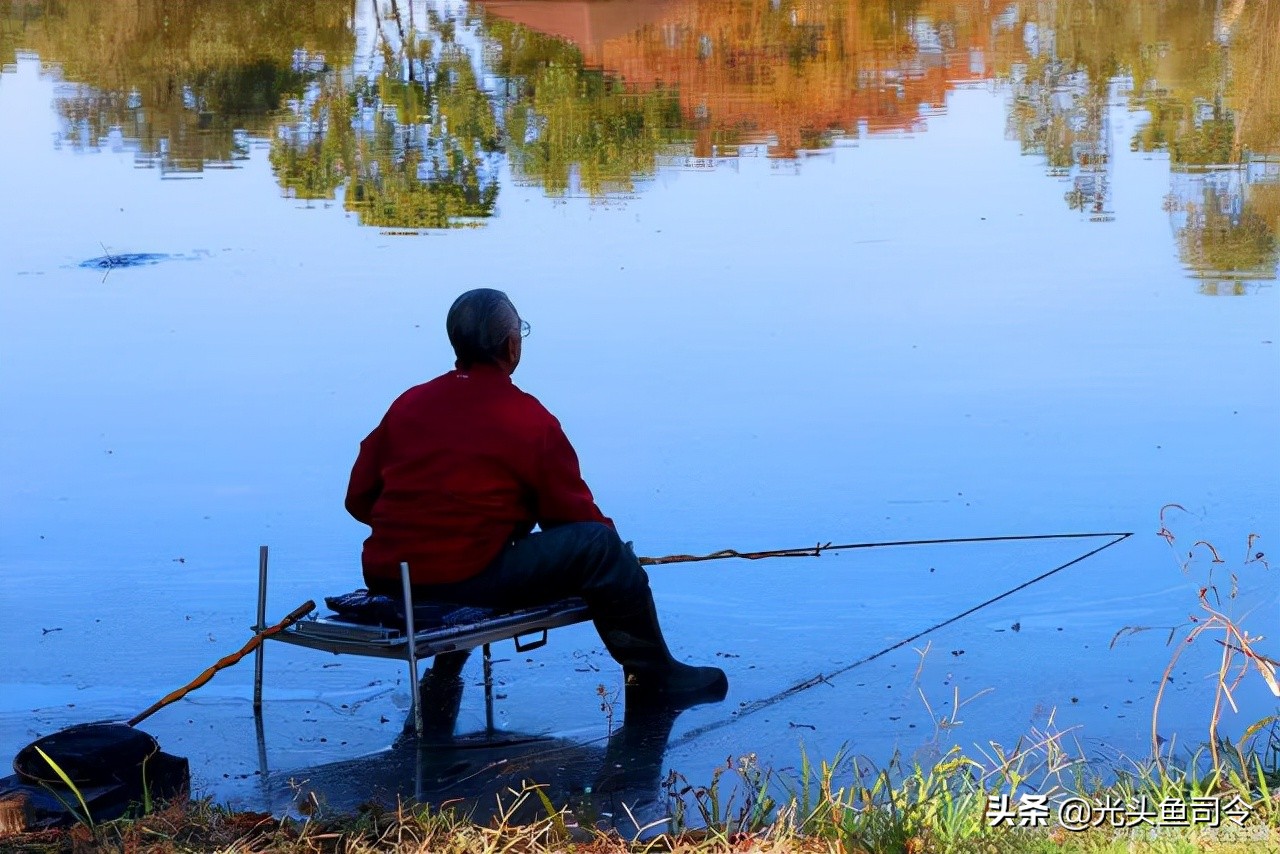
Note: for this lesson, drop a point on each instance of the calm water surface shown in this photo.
(796, 272)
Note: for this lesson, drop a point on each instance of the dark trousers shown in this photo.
(586, 559)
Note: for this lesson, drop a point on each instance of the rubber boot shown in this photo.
(634, 639)
(440, 695)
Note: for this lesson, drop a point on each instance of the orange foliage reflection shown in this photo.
(792, 75)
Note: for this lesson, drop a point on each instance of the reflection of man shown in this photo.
(477, 772)
(453, 481)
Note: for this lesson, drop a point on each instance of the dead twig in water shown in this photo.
(1235, 642)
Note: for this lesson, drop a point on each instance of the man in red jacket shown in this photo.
(456, 476)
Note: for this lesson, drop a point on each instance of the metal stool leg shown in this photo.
(261, 734)
(262, 624)
(412, 651)
(488, 689)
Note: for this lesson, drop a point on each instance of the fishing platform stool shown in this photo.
(340, 637)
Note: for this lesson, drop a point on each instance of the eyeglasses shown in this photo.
(525, 329)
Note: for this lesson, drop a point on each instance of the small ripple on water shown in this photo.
(124, 259)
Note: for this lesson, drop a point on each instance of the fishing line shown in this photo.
(824, 678)
(819, 679)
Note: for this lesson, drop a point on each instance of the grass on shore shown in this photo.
(909, 810)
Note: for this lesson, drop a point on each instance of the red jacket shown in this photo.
(458, 467)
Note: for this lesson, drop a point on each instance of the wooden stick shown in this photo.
(254, 642)
(15, 814)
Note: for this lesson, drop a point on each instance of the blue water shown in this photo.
(900, 337)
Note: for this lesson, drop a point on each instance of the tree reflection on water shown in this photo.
(184, 84)
(406, 112)
(409, 153)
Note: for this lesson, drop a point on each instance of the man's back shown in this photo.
(459, 467)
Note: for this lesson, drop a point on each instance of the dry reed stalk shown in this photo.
(1236, 642)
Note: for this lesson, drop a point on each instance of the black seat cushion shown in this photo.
(375, 609)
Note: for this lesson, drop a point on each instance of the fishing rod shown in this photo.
(817, 549)
(824, 678)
